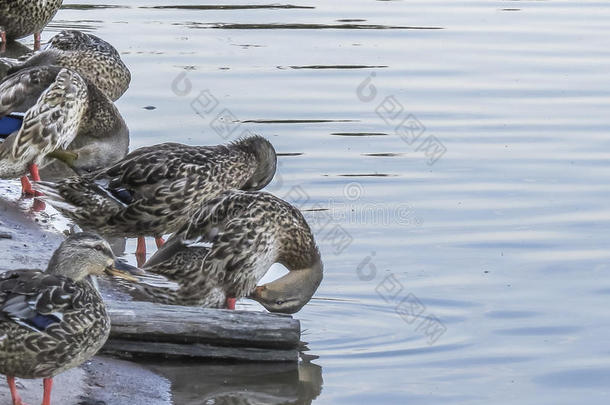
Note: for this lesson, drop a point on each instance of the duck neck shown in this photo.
(307, 276)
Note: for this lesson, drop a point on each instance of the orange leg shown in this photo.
(160, 242)
(48, 384)
(33, 168)
(14, 393)
(37, 41)
(26, 186)
(231, 303)
(3, 39)
(35, 176)
(38, 205)
(141, 248)
(141, 251)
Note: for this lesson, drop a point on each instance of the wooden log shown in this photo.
(152, 329)
(121, 348)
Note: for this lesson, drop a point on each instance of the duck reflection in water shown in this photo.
(246, 383)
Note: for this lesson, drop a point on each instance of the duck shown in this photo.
(21, 18)
(67, 117)
(155, 189)
(12, 50)
(92, 57)
(228, 245)
(54, 320)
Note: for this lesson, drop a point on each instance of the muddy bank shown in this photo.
(117, 382)
(27, 237)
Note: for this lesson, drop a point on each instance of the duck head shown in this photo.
(289, 293)
(266, 160)
(87, 254)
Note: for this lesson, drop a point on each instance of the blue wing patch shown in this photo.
(42, 322)
(122, 194)
(10, 124)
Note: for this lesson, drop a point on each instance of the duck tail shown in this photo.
(81, 199)
(52, 195)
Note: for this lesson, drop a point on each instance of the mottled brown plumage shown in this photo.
(227, 247)
(92, 57)
(49, 124)
(155, 189)
(55, 320)
(27, 352)
(20, 18)
(64, 111)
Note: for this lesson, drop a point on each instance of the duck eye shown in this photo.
(279, 302)
(98, 248)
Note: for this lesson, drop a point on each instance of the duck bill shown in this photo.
(124, 271)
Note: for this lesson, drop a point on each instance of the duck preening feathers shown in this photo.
(227, 247)
(55, 320)
(92, 57)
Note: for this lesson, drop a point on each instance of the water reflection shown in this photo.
(232, 7)
(222, 384)
(359, 134)
(300, 26)
(335, 67)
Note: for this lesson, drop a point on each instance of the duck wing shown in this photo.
(50, 318)
(20, 91)
(151, 191)
(134, 189)
(37, 300)
(52, 123)
(164, 163)
(232, 225)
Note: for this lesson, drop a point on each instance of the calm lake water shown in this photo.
(453, 159)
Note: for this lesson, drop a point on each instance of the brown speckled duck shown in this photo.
(92, 57)
(229, 245)
(20, 18)
(155, 189)
(55, 320)
(64, 112)
(65, 90)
